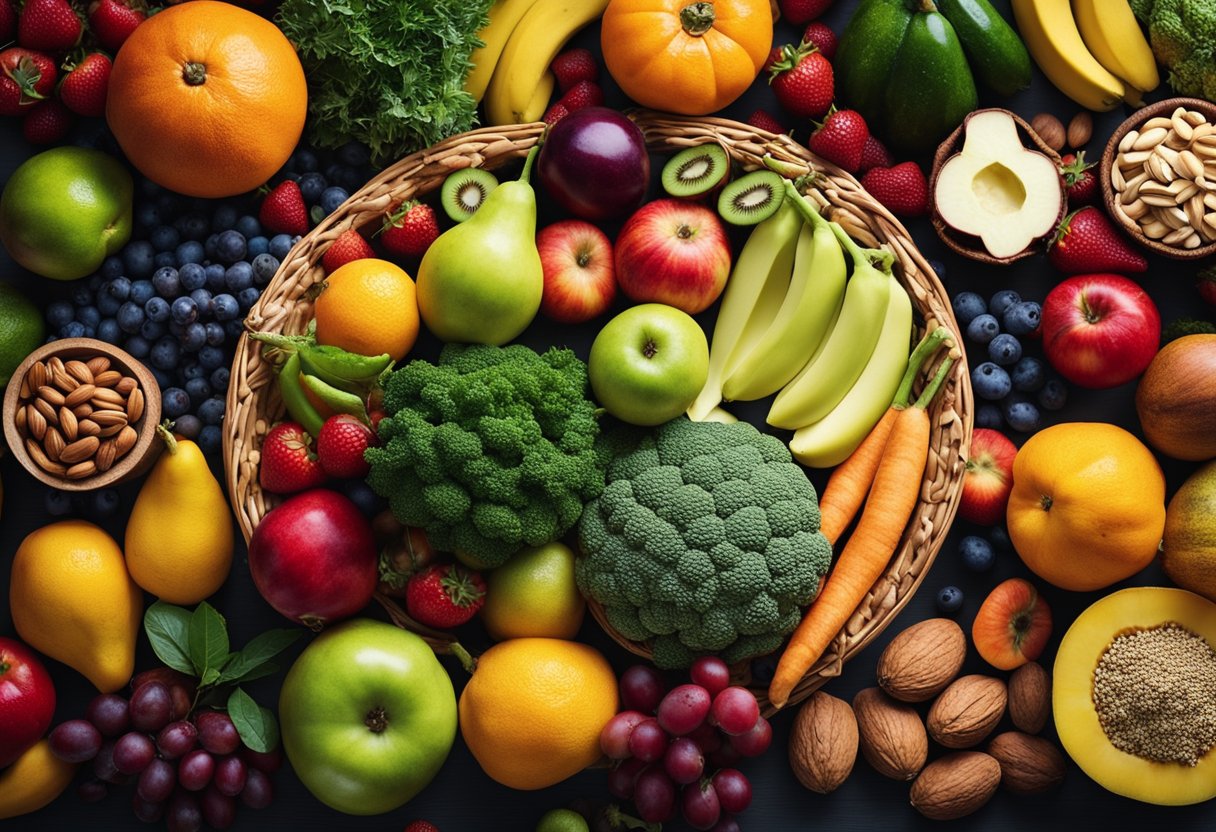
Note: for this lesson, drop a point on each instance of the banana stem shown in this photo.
(931, 390)
(926, 348)
(878, 258)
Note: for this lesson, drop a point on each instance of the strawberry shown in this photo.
(1079, 179)
(555, 113)
(49, 25)
(1086, 242)
(26, 77)
(340, 446)
(113, 21)
(283, 210)
(288, 463)
(349, 246)
(446, 595)
(1206, 284)
(874, 155)
(840, 139)
(822, 38)
(410, 230)
(803, 81)
(573, 66)
(763, 120)
(902, 190)
(987, 478)
(421, 826)
(83, 89)
(583, 94)
(47, 122)
(8, 21)
(799, 12)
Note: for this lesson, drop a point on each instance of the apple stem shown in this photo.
(165, 431)
(927, 347)
(527, 171)
(4, 666)
(466, 660)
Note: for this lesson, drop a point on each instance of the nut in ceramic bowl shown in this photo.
(80, 414)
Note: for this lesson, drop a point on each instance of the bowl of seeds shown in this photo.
(1158, 177)
(81, 414)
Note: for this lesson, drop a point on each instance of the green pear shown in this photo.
(481, 281)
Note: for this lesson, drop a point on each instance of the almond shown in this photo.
(919, 662)
(79, 450)
(87, 427)
(891, 735)
(50, 395)
(108, 418)
(53, 443)
(125, 386)
(35, 422)
(21, 419)
(1030, 697)
(1050, 130)
(104, 395)
(79, 371)
(1029, 765)
(956, 785)
(42, 460)
(124, 441)
(823, 743)
(67, 423)
(81, 470)
(106, 454)
(48, 412)
(135, 405)
(98, 365)
(80, 395)
(967, 711)
(1080, 130)
(38, 375)
(107, 379)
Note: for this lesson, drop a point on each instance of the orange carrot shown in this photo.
(892, 497)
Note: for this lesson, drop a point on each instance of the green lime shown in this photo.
(20, 330)
(562, 820)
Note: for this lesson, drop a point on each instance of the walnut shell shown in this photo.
(956, 785)
(967, 711)
(1029, 765)
(823, 743)
(919, 662)
(892, 737)
(1030, 697)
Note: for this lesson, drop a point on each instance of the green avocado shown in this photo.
(866, 54)
(995, 52)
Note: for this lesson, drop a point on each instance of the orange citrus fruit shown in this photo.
(533, 711)
(368, 307)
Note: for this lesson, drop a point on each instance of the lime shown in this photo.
(534, 594)
(562, 820)
(20, 330)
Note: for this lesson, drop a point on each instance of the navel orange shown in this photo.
(368, 307)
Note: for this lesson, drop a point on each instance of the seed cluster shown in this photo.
(1155, 694)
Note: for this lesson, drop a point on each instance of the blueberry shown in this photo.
(988, 415)
(111, 267)
(257, 245)
(193, 226)
(1021, 414)
(90, 331)
(189, 252)
(211, 357)
(214, 334)
(190, 369)
(194, 338)
(248, 226)
(109, 331)
(977, 553)
(82, 296)
(168, 203)
(220, 377)
(234, 329)
(164, 379)
(167, 282)
(184, 311)
(211, 412)
(165, 258)
(138, 346)
(355, 154)
(188, 426)
(165, 353)
(209, 246)
(59, 314)
(331, 198)
(57, 503)
(230, 246)
(199, 391)
(238, 276)
(350, 179)
(102, 504)
(967, 307)
(204, 301)
(108, 306)
(1000, 539)
(72, 329)
(157, 309)
(950, 599)
(131, 317)
(939, 268)
(247, 298)
(139, 258)
(192, 277)
(264, 267)
(164, 238)
(1005, 349)
(88, 315)
(153, 331)
(215, 277)
(175, 329)
(1054, 394)
(280, 245)
(303, 160)
(141, 291)
(1022, 318)
(991, 382)
(999, 303)
(210, 440)
(119, 288)
(367, 501)
(147, 216)
(174, 402)
(334, 171)
(226, 307)
(224, 217)
(983, 328)
(311, 187)
(1028, 375)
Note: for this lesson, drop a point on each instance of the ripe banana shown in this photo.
(753, 295)
(504, 16)
(815, 295)
(540, 34)
(1051, 35)
(1112, 33)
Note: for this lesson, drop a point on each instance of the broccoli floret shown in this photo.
(1183, 37)
(704, 540)
(1186, 326)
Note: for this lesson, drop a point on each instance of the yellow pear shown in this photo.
(72, 599)
(179, 536)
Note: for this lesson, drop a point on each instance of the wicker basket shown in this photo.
(253, 401)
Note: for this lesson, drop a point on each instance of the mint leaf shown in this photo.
(255, 725)
(208, 639)
(168, 629)
(250, 661)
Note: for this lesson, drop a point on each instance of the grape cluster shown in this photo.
(677, 748)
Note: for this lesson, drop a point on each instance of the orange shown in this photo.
(207, 99)
(533, 711)
(368, 307)
(1088, 505)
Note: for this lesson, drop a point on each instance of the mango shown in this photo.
(1188, 549)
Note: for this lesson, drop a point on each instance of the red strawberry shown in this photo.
(988, 478)
(572, 66)
(283, 210)
(49, 25)
(841, 139)
(47, 122)
(288, 463)
(901, 189)
(874, 155)
(410, 230)
(799, 12)
(583, 94)
(803, 81)
(421, 826)
(349, 246)
(83, 89)
(26, 77)
(822, 38)
(1087, 242)
(8, 21)
(763, 120)
(1079, 179)
(113, 21)
(1207, 285)
(555, 113)
(445, 595)
(340, 446)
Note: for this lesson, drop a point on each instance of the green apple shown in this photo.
(368, 716)
(63, 211)
(648, 364)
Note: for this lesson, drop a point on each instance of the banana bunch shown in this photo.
(1093, 50)
(511, 71)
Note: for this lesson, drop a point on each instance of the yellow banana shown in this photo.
(540, 99)
(1051, 35)
(757, 285)
(504, 16)
(1113, 35)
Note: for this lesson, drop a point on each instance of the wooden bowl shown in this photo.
(966, 244)
(1110, 197)
(132, 464)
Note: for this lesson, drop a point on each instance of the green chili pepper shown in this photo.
(349, 385)
(338, 400)
(339, 363)
(297, 404)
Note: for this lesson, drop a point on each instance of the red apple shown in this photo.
(579, 273)
(1012, 626)
(988, 477)
(27, 700)
(1100, 330)
(674, 252)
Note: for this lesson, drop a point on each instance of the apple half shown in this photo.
(997, 189)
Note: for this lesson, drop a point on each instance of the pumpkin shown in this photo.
(207, 99)
(684, 56)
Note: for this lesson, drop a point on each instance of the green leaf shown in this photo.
(168, 629)
(254, 656)
(208, 638)
(209, 677)
(256, 725)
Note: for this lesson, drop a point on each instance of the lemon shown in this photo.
(533, 594)
(562, 820)
(21, 330)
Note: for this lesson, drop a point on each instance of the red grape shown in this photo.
(184, 814)
(654, 795)
(157, 781)
(614, 738)
(181, 687)
(176, 738)
(265, 761)
(683, 760)
(683, 709)
(711, 673)
(756, 741)
(735, 710)
(75, 741)
(258, 792)
(92, 790)
(216, 733)
(647, 741)
(219, 809)
(641, 688)
(726, 755)
(151, 707)
(103, 765)
(109, 714)
(621, 777)
(707, 738)
(726, 824)
(699, 803)
(148, 811)
(230, 774)
(734, 790)
(133, 752)
(195, 770)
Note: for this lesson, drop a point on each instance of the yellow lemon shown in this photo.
(35, 779)
(534, 594)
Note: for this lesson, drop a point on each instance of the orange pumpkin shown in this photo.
(684, 56)
(207, 99)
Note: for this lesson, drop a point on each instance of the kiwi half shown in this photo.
(696, 171)
(752, 198)
(463, 192)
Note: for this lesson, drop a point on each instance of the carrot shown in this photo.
(851, 480)
(892, 497)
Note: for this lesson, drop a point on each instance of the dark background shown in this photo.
(463, 798)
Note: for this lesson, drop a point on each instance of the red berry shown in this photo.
(8, 21)
(874, 155)
(841, 139)
(288, 462)
(445, 595)
(902, 190)
(555, 113)
(803, 81)
(764, 121)
(49, 25)
(410, 230)
(83, 90)
(822, 38)
(349, 246)
(112, 22)
(283, 210)
(47, 122)
(583, 94)
(26, 77)
(1079, 179)
(421, 826)
(573, 66)
(1087, 242)
(340, 446)
(799, 12)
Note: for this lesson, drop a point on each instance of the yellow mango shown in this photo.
(33, 781)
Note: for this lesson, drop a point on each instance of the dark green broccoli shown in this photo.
(1186, 326)
(1183, 37)
(489, 450)
(705, 540)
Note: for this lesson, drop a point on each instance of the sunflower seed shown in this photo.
(1129, 138)
(1134, 158)
(1151, 137)
(1174, 217)
(1116, 178)
(1192, 241)
(1189, 165)
(1132, 191)
(1134, 211)
(1195, 118)
(1176, 236)
(1155, 230)
(1158, 200)
(1186, 192)
(1194, 211)
(1181, 126)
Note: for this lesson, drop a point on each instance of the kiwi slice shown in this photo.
(463, 192)
(696, 171)
(752, 198)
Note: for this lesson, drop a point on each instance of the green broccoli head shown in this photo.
(705, 540)
(1183, 37)
(490, 449)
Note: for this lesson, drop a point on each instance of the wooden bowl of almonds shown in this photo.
(81, 414)
(1158, 177)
